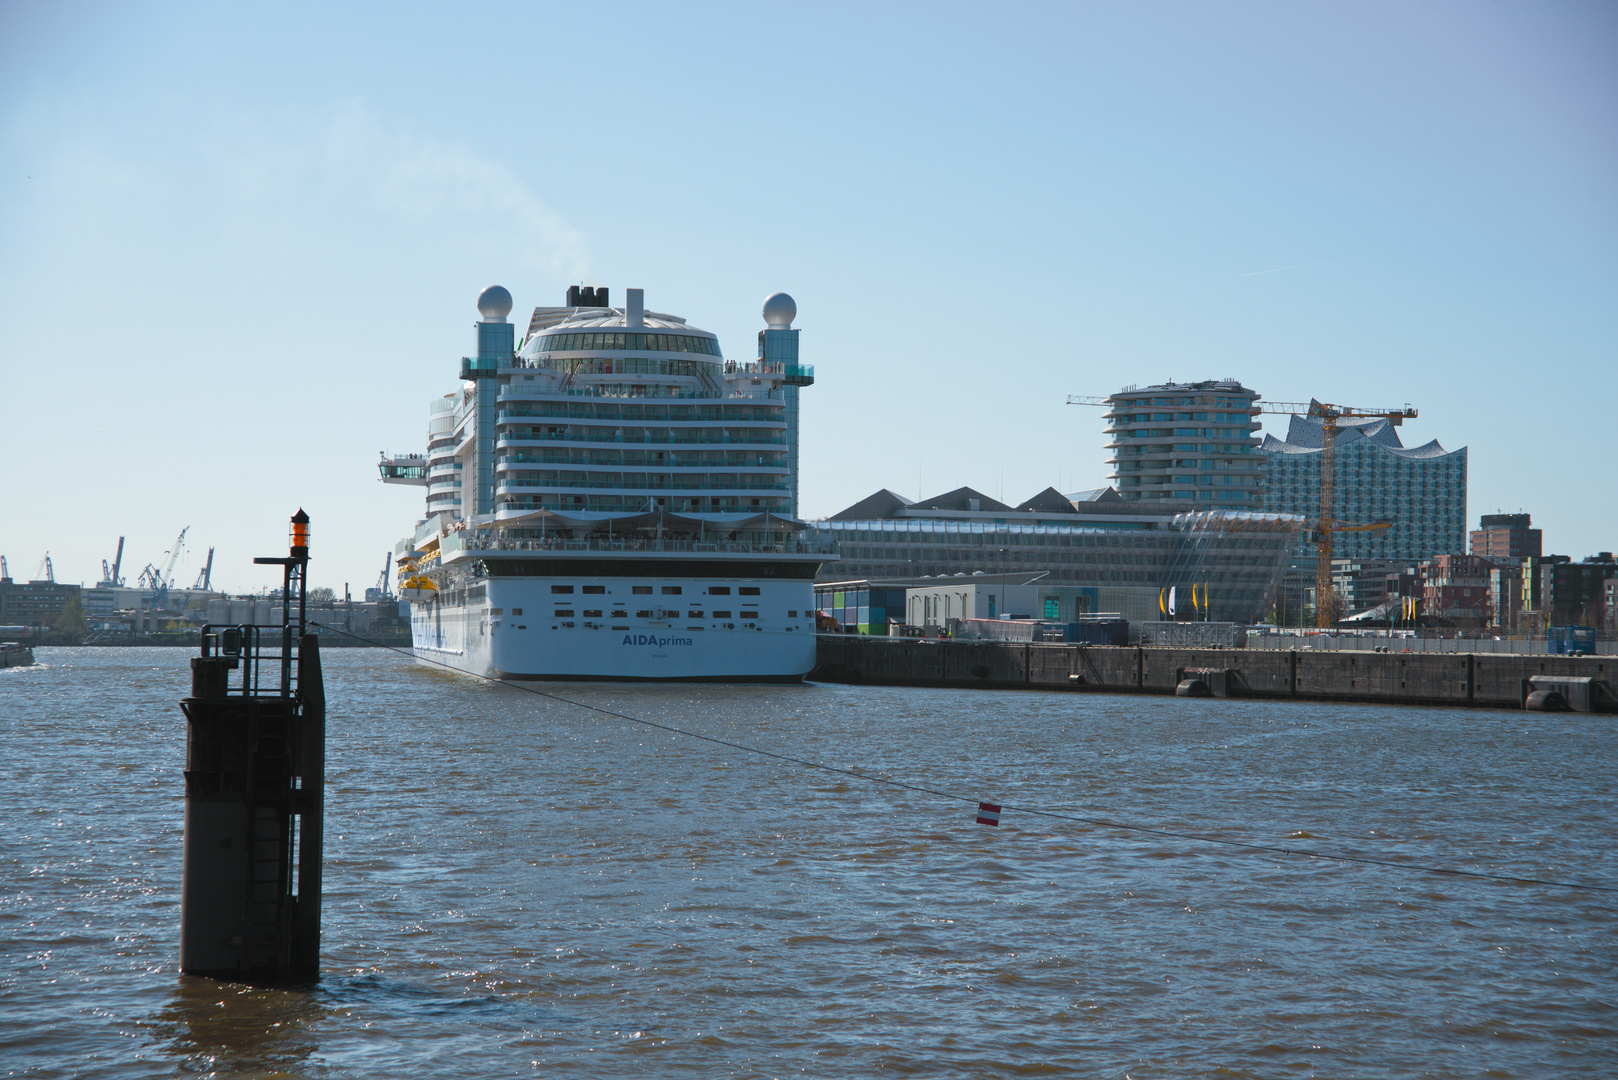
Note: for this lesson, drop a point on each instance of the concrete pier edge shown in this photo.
(1482, 680)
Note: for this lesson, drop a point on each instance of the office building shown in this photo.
(1456, 589)
(1363, 584)
(1505, 596)
(34, 603)
(1578, 590)
(1506, 536)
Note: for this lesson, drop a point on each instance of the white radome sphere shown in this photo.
(494, 303)
(779, 310)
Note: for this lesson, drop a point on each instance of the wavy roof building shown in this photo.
(1421, 490)
(1116, 554)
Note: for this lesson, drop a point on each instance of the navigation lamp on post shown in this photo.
(300, 535)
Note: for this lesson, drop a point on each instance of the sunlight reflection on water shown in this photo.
(516, 885)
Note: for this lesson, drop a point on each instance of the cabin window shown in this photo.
(561, 588)
(595, 590)
(671, 590)
(748, 590)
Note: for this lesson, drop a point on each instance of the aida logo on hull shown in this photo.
(653, 641)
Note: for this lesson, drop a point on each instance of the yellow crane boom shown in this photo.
(1326, 525)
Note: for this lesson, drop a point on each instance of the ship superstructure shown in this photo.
(613, 499)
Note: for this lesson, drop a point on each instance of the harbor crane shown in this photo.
(205, 579)
(1325, 526)
(109, 575)
(46, 571)
(5, 574)
(383, 585)
(159, 581)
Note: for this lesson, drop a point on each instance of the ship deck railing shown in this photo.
(459, 541)
(608, 485)
(644, 439)
(643, 466)
(634, 393)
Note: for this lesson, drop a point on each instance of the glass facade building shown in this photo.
(1420, 490)
(1238, 555)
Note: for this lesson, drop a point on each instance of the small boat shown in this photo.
(15, 654)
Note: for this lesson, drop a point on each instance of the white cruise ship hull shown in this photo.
(624, 628)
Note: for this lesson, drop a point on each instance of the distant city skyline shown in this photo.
(240, 255)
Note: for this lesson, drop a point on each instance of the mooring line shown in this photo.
(1102, 823)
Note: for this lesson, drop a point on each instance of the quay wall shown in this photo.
(1490, 680)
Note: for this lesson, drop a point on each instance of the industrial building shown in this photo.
(868, 607)
(34, 603)
(1420, 491)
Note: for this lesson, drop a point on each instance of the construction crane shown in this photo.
(109, 575)
(1326, 525)
(5, 574)
(383, 585)
(205, 579)
(46, 571)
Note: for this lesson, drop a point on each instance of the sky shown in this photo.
(240, 245)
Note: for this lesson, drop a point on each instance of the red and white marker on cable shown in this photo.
(988, 813)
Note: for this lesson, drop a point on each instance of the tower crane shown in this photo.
(1326, 525)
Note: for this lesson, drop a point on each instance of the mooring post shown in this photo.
(254, 796)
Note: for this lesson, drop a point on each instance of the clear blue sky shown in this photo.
(240, 244)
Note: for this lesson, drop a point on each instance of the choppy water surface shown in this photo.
(516, 886)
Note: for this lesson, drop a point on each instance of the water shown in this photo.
(517, 887)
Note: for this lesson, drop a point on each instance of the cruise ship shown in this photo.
(611, 498)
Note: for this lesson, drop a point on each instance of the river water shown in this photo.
(516, 886)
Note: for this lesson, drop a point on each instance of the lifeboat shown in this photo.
(417, 589)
